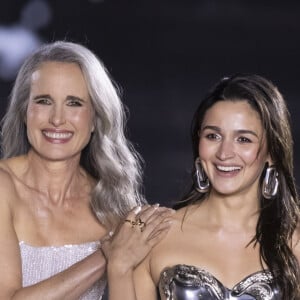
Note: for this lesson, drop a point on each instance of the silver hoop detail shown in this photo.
(270, 183)
(201, 180)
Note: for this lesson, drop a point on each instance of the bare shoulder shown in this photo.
(7, 183)
(182, 221)
(9, 247)
(176, 223)
(6, 180)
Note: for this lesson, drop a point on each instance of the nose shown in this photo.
(57, 116)
(225, 150)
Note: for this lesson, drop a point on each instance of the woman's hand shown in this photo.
(142, 229)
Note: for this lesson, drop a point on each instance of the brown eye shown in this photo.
(43, 101)
(213, 136)
(243, 139)
(74, 103)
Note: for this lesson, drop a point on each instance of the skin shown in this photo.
(214, 234)
(59, 104)
(45, 194)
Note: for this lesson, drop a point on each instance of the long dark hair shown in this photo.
(279, 216)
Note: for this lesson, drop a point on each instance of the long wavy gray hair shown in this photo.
(109, 157)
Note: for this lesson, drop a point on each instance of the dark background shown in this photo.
(165, 55)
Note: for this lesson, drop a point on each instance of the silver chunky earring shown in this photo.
(270, 183)
(201, 180)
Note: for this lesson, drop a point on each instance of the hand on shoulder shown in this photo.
(135, 237)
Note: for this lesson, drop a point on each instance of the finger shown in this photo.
(159, 233)
(143, 217)
(105, 241)
(139, 215)
(107, 237)
(151, 212)
(131, 216)
(156, 219)
(161, 213)
(146, 220)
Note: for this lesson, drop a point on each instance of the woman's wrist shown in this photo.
(119, 269)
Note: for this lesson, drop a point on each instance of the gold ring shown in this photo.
(141, 224)
(138, 223)
(132, 223)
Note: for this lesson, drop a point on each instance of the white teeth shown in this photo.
(57, 135)
(228, 169)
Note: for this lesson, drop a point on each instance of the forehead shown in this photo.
(233, 115)
(59, 79)
(56, 67)
(60, 75)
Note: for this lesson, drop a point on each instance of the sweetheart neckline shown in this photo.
(267, 273)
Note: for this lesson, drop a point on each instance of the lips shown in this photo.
(57, 136)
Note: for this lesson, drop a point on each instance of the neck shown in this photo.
(234, 213)
(57, 180)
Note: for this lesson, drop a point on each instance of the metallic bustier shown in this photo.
(39, 263)
(183, 282)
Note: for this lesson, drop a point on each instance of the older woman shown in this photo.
(235, 234)
(68, 177)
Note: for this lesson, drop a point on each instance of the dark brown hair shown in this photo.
(279, 216)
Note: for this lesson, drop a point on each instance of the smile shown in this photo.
(228, 168)
(58, 135)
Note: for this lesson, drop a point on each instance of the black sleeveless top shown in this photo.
(183, 282)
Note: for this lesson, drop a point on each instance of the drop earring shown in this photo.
(201, 180)
(270, 183)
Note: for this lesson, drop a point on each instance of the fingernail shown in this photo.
(137, 209)
(156, 205)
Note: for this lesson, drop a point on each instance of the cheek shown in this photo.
(205, 150)
(254, 157)
(250, 155)
(83, 118)
(35, 114)
(30, 112)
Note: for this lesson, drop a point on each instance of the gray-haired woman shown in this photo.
(68, 177)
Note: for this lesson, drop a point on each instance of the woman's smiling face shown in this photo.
(232, 147)
(59, 114)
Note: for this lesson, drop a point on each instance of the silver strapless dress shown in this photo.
(183, 282)
(39, 263)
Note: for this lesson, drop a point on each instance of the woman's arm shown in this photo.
(69, 284)
(130, 245)
(145, 288)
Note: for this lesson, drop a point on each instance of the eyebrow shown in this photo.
(42, 96)
(75, 98)
(240, 131)
(70, 97)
